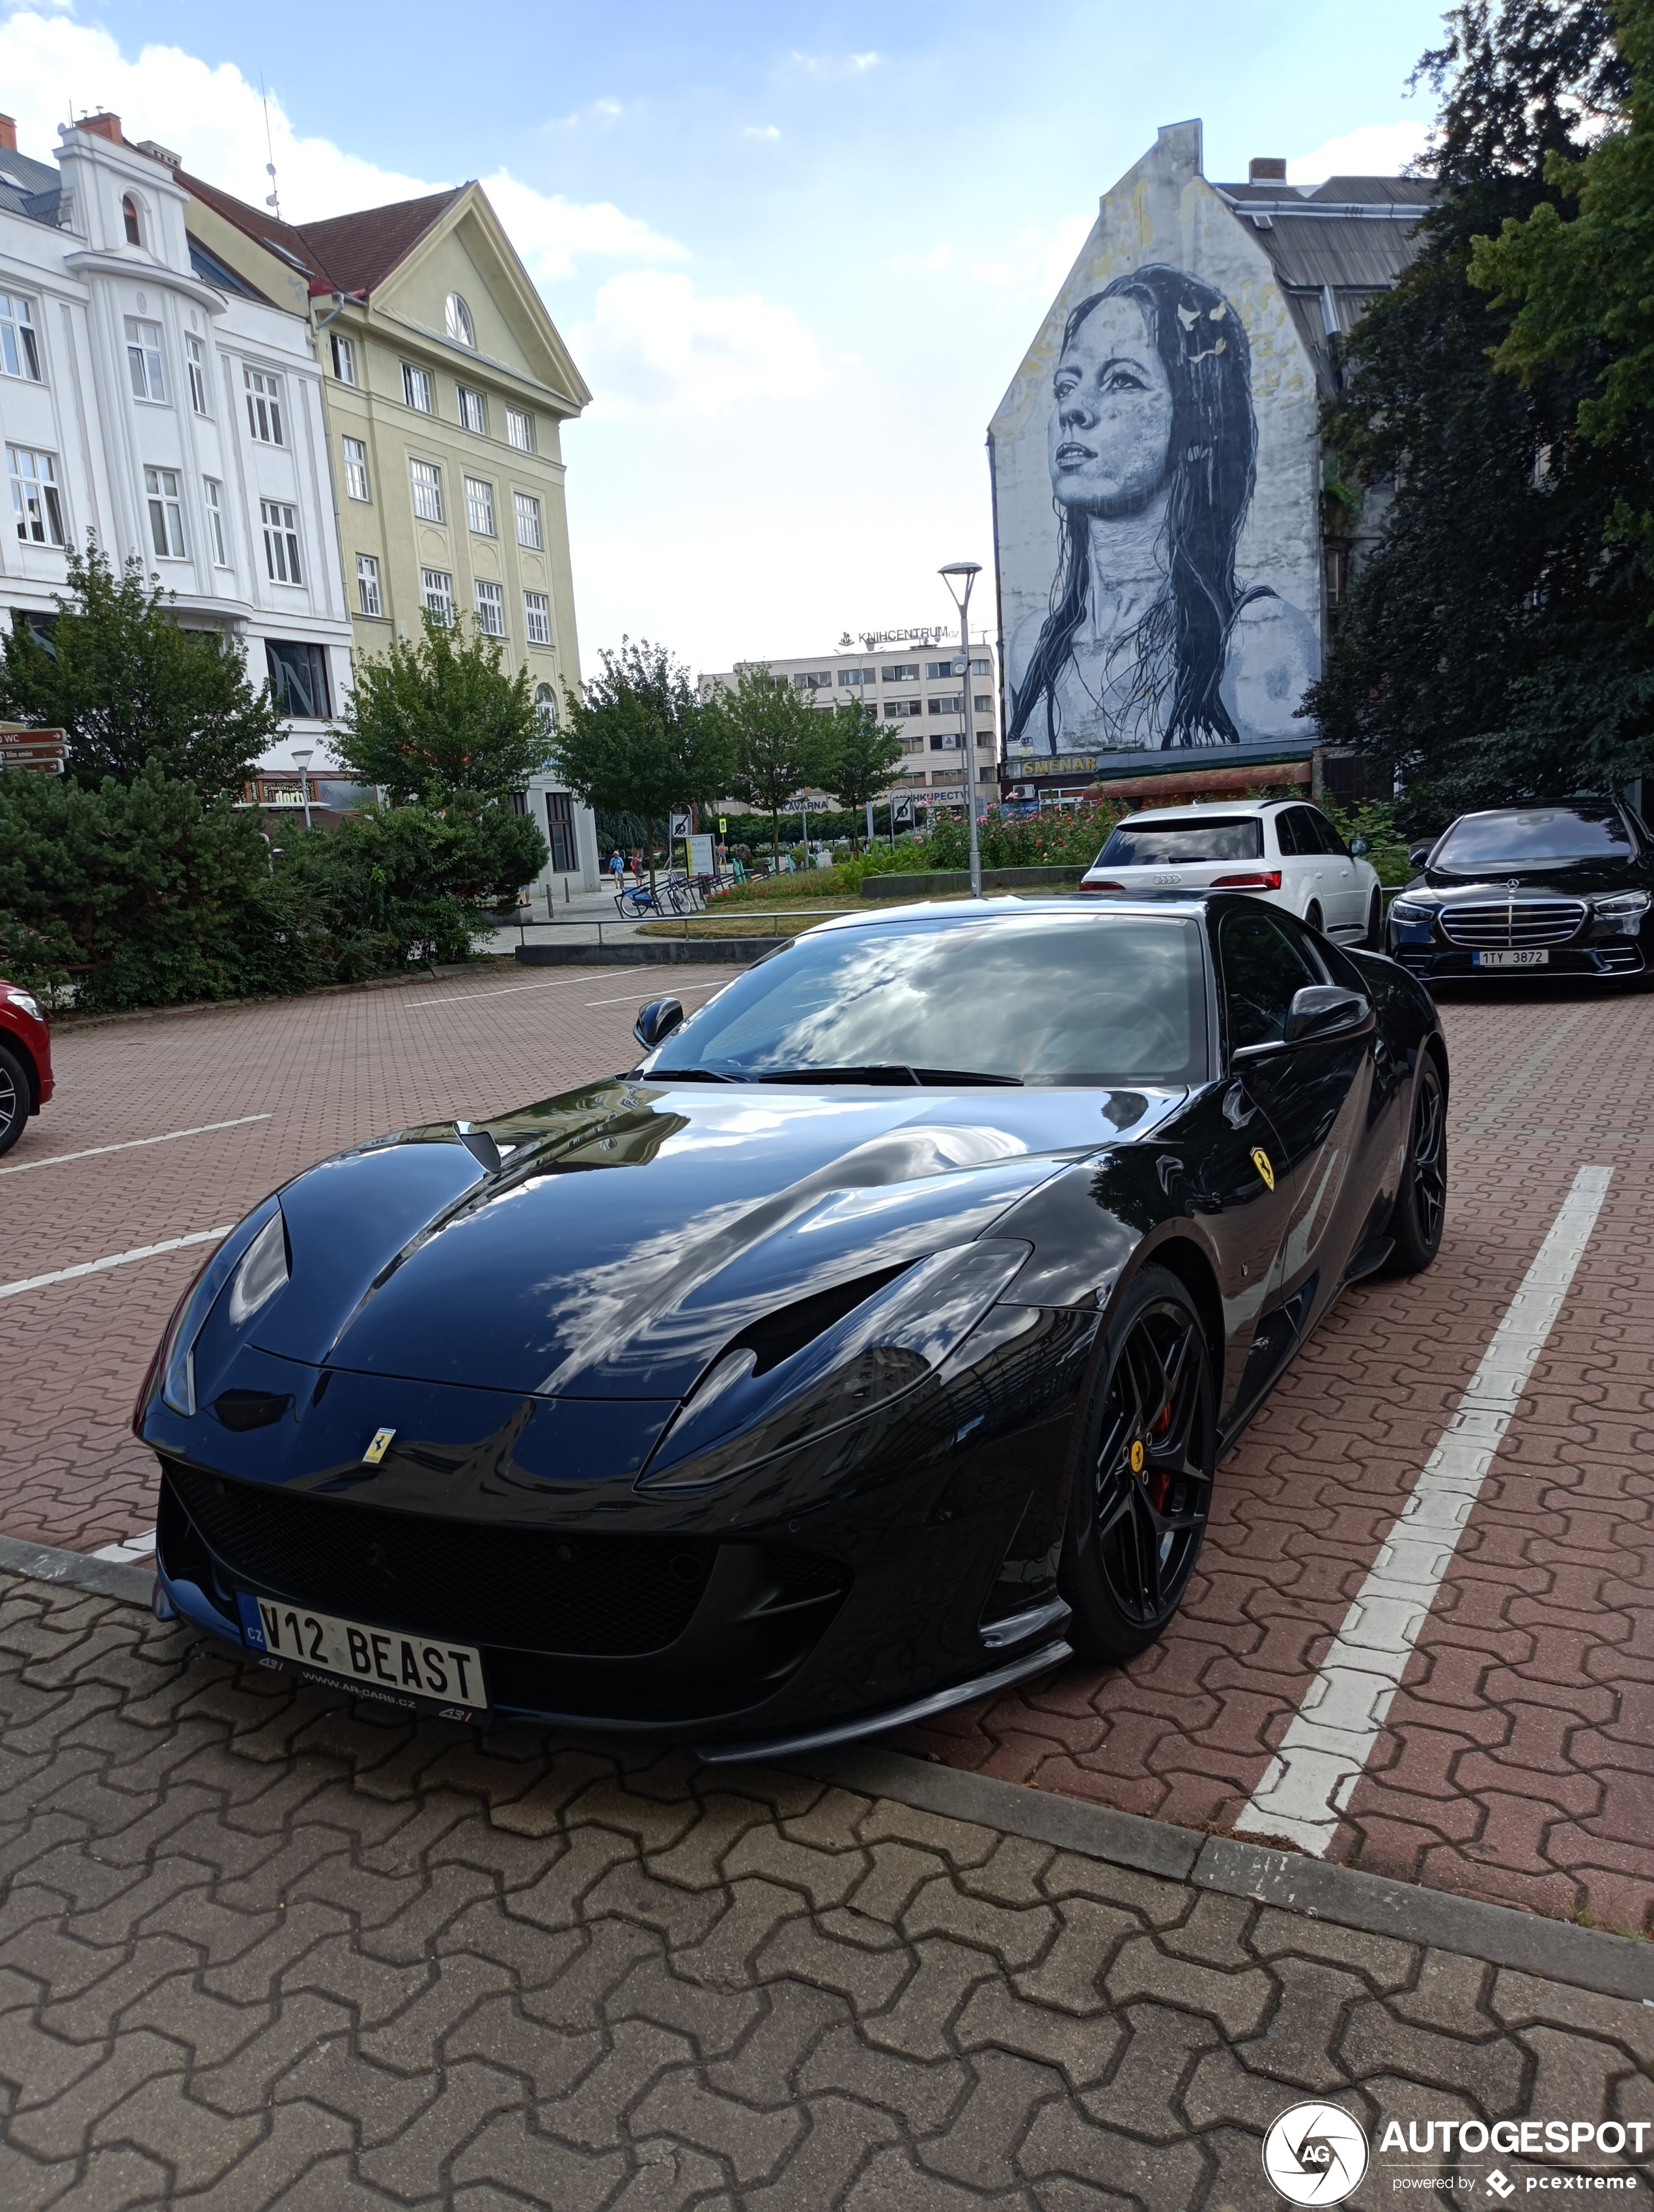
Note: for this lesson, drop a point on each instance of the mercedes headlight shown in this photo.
(1400, 910)
(1626, 908)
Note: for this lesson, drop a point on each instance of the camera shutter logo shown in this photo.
(1316, 2154)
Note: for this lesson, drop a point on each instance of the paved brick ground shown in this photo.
(1515, 1765)
(256, 1949)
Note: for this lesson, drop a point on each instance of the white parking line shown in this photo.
(131, 1143)
(626, 997)
(1330, 1739)
(115, 1259)
(509, 990)
(133, 1552)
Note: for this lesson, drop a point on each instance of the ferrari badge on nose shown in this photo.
(1260, 1161)
(377, 1448)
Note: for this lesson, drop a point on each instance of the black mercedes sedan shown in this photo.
(1566, 889)
(869, 1346)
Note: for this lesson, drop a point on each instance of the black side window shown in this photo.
(1286, 831)
(1327, 837)
(1262, 972)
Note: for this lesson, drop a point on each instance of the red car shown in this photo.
(25, 1061)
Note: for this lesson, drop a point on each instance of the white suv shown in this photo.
(1283, 850)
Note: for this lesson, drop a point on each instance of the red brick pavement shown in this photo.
(330, 1072)
(1516, 1763)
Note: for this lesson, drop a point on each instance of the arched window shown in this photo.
(545, 709)
(129, 217)
(459, 322)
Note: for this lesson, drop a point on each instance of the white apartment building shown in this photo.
(151, 397)
(907, 677)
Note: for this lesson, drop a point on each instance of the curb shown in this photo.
(69, 1023)
(668, 951)
(1555, 1950)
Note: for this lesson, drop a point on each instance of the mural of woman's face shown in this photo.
(1112, 425)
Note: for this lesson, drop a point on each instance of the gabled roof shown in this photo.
(343, 253)
(28, 187)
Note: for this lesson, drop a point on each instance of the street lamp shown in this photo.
(301, 759)
(967, 571)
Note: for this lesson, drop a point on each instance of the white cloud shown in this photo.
(1373, 150)
(214, 119)
(765, 131)
(654, 347)
(860, 63)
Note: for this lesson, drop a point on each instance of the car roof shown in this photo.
(1211, 806)
(1189, 905)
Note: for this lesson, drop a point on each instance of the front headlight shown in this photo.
(247, 1239)
(25, 1004)
(1402, 910)
(1626, 908)
(881, 1349)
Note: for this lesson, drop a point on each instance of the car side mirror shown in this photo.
(656, 1021)
(1325, 1010)
(1418, 856)
(1358, 849)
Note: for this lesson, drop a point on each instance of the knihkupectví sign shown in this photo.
(43, 751)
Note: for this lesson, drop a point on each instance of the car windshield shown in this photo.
(1155, 844)
(1531, 839)
(1033, 999)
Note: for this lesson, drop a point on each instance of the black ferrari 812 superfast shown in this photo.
(869, 1346)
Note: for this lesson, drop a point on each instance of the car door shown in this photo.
(1315, 1095)
(1300, 861)
(1343, 896)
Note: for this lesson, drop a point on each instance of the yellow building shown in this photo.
(445, 388)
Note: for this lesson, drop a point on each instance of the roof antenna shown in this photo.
(273, 198)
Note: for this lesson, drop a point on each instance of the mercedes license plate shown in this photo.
(383, 1662)
(1511, 959)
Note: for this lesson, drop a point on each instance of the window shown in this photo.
(1336, 558)
(945, 705)
(437, 589)
(935, 670)
(280, 541)
(545, 709)
(1262, 970)
(265, 407)
(427, 491)
(946, 741)
(491, 609)
(35, 499)
(298, 679)
(912, 745)
(456, 316)
(130, 220)
(143, 364)
(898, 710)
(344, 357)
(479, 506)
(528, 520)
(20, 348)
(560, 822)
(416, 388)
(195, 360)
(473, 411)
(822, 680)
(853, 677)
(166, 513)
(536, 617)
(982, 703)
(520, 429)
(368, 585)
(355, 467)
(905, 672)
(979, 668)
(213, 494)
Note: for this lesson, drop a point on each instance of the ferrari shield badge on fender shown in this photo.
(377, 1448)
(1260, 1161)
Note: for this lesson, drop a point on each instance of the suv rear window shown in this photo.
(1532, 837)
(1156, 844)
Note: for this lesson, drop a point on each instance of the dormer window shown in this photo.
(129, 217)
(460, 329)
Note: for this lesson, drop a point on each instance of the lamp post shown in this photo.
(967, 571)
(301, 759)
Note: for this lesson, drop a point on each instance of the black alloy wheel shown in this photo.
(14, 1098)
(1144, 1484)
(1421, 1200)
(1374, 939)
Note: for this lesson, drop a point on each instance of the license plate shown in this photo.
(382, 1662)
(1511, 959)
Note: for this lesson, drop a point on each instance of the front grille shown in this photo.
(1512, 924)
(529, 1589)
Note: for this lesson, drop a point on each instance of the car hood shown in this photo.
(611, 1242)
(1567, 879)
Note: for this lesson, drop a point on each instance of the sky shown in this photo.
(796, 251)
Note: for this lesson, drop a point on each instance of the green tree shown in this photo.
(1492, 646)
(636, 740)
(778, 742)
(866, 758)
(131, 686)
(442, 713)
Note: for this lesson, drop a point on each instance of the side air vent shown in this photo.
(790, 1328)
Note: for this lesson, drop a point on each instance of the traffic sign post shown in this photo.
(43, 751)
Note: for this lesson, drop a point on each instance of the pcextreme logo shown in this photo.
(1315, 2154)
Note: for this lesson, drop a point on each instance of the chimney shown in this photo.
(161, 153)
(7, 134)
(1266, 169)
(102, 125)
